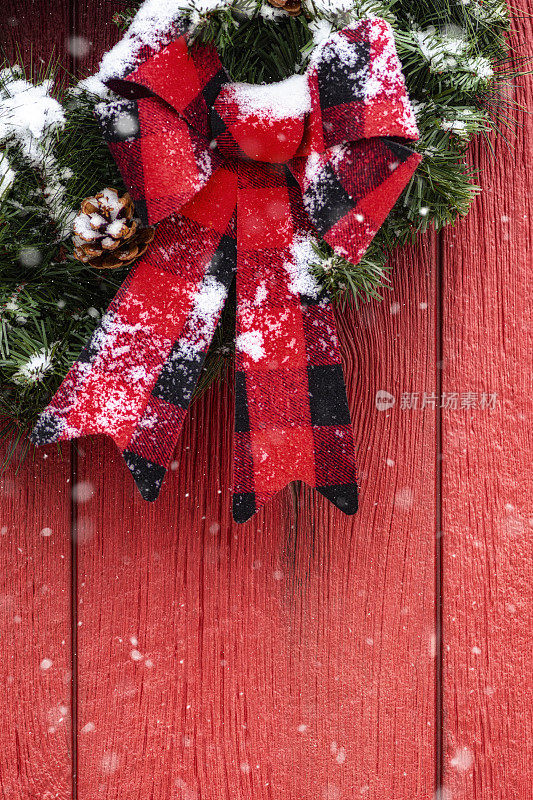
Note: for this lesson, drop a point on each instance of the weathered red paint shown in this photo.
(293, 658)
(486, 489)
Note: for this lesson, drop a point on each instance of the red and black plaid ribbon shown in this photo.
(237, 189)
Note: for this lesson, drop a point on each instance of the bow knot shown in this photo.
(262, 123)
(305, 158)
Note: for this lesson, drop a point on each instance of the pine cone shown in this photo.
(106, 234)
(292, 7)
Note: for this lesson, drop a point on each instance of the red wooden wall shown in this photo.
(162, 652)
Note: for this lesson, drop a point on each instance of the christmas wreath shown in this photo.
(69, 231)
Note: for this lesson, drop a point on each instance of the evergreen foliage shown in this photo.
(455, 56)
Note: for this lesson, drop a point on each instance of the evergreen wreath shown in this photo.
(456, 59)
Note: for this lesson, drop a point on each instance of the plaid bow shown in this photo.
(242, 178)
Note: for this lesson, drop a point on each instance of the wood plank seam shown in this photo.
(439, 649)
(74, 615)
(72, 16)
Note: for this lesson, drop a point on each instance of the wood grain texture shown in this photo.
(486, 487)
(373, 575)
(35, 630)
(286, 658)
(35, 33)
(282, 659)
(295, 657)
(35, 550)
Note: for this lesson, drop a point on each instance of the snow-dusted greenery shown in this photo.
(30, 119)
(51, 157)
(455, 58)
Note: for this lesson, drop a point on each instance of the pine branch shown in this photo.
(456, 59)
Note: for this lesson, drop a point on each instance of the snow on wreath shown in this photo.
(53, 157)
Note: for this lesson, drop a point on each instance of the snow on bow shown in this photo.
(242, 179)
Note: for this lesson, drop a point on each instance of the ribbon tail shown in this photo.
(334, 450)
(151, 446)
(135, 377)
(291, 411)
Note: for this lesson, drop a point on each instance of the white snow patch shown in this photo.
(270, 12)
(82, 228)
(31, 117)
(205, 313)
(37, 365)
(303, 256)
(251, 343)
(313, 166)
(28, 113)
(260, 294)
(7, 175)
(334, 7)
(321, 30)
(479, 66)
(110, 200)
(92, 85)
(282, 100)
(442, 48)
(449, 49)
(457, 126)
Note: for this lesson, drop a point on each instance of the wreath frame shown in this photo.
(457, 61)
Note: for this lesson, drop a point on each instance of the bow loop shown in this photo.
(164, 162)
(186, 78)
(360, 89)
(160, 134)
(349, 190)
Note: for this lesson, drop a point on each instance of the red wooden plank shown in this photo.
(283, 659)
(35, 619)
(374, 574)
(35, 563)
(287, 658)
(487, 511)
(35, 527)
(162, 677)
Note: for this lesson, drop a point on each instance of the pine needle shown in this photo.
(457, 61)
